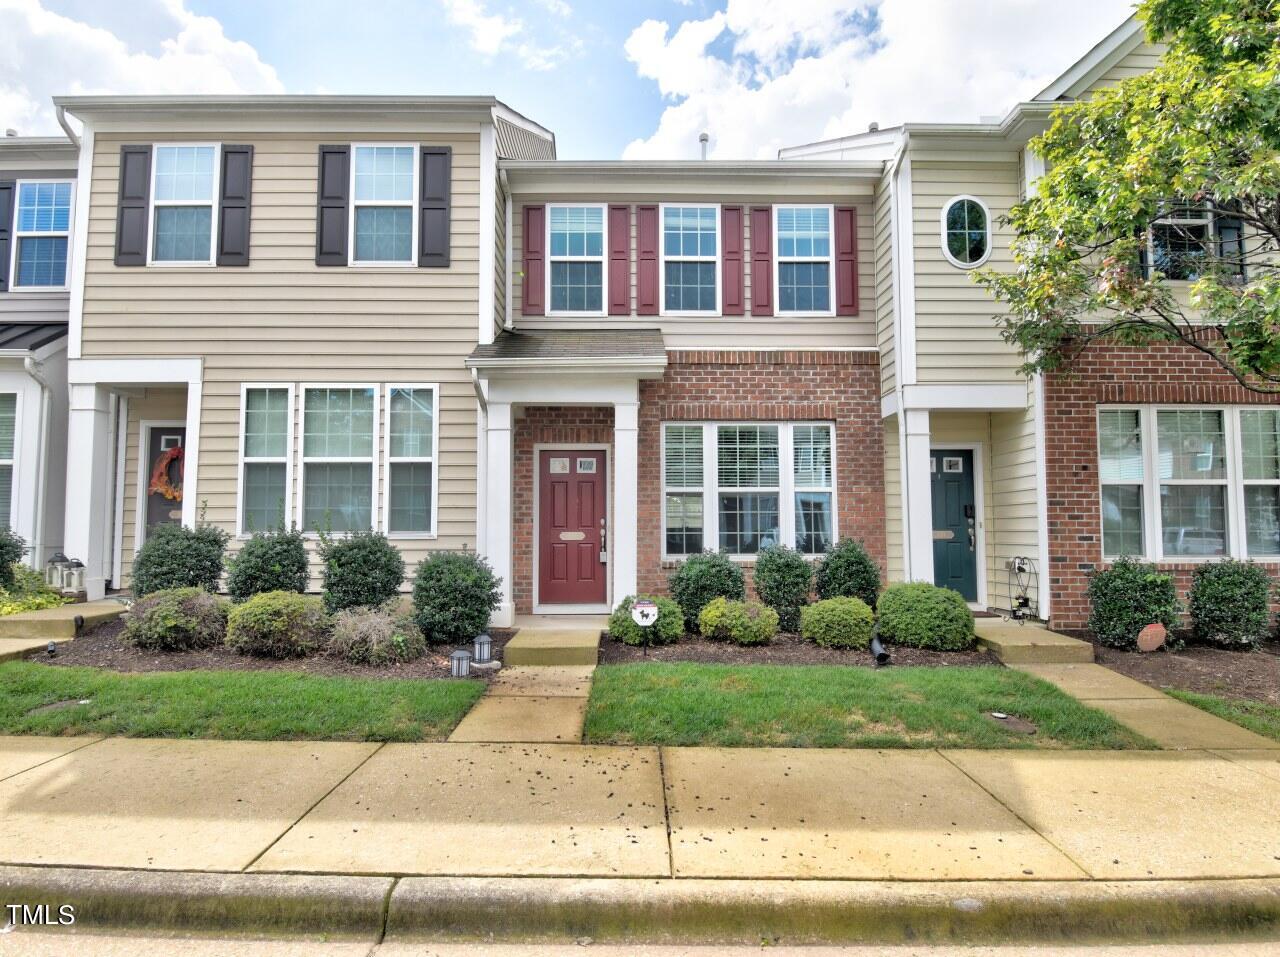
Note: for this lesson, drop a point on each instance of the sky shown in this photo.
(632, 79)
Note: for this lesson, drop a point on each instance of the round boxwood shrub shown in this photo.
(374, 636)
(783, 580)
(921, 615)
(12, 547)
(667, 631)
(269, 561)
(176, 619)
(1230, 604)
(838, 623)
(700, 578)
(175, 556)
(454, 593)
(1127, 597)
(360, 569)
(847, 571)
(277, 624)
(741, 622)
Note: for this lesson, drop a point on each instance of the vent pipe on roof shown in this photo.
(10, 132)
(704, 139)
(872, 126)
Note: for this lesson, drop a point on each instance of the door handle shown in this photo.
(973, 538)
(604, 551)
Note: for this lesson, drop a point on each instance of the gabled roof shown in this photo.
(555, 350)
(1091, 67)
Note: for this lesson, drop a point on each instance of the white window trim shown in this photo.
(711, 489)
(19, 235)
(602, 259)
(287, 458)
(942, 232)
(414, 205)
(663, 259)
(779, 259)
(373, 459)
(433, 459)
(1206, 219)
(1152, 530)
(215, 189)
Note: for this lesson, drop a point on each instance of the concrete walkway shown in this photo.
(31, 631)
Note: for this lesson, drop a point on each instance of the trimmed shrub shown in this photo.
(783, 579)
(667, 631)
(269, 561)
(12, 547)
(1230, 604)
(1127, 597)
(838, 623)
(741, 622)
(175, 556)
(176, 619)
(700, 578)
(277, 624)
(847, 571)
(454, 593)
(374, 636)
(360, 569)
(28, 592)
(922, 615)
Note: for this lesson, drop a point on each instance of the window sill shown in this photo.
(412, 536)
(196, 264)
(39, 289)
(572, 315)
(807, 315)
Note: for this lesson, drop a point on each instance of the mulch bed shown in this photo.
(783, 650)
(103, 647)
(1249, 675)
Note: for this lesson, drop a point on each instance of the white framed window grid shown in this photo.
(174, 198)
(408, 451)
(260, 454)
(37, 229)
(381, 191)
(574, 221)
(695, 254)
(794, 230)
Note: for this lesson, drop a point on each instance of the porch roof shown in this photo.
(583, 350)
(30, 336)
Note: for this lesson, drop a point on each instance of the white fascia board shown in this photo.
(873, 144)
(1109, 50)
(993, 397)
(134, 371)
(579, 390)
(645, 367)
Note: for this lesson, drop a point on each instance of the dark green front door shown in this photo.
(955, 528)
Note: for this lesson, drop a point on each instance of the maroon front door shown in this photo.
(571, 527)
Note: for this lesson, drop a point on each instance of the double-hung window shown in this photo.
(740, 487)
(690, 273)
(805, 267)
(266, 451)
(1260, 452)
(384, 205)
(184, 184)
(1192, 469)
(338, 457)
(1121, 474)
(8, 439)
(576, 273)
(42, 234)
(411, 457)
(1189, 236)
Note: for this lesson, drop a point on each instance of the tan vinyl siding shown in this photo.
(883, 259)
(956, 336)
(153, 405)
(894, 530)
(22, 306)
(1141, 60)
(835, 332)
(1013, 483)
(282, 319)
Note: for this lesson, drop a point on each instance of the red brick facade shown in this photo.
(841, 387)
(1167, 373)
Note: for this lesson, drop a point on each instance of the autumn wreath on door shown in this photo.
(161, 481)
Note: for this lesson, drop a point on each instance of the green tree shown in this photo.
(1101, 241)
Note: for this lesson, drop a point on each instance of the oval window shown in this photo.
(966, 231)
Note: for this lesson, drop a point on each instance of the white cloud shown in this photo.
(559, 7)
(762, 74)
(491, 33)
(43, 54)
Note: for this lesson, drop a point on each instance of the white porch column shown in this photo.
(917, 497)
(191, 457)
(88, 505)
(626, 487)
(498, 530)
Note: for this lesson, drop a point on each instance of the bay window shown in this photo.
(266, 437)
(741, 487)
(183, 187)
(411, 456)
(576, 273)
(690, 274)
(337, 458)
(804, 262)
(42, 233)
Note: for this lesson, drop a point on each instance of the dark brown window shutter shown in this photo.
(333, 182)
(8, 204)
(619, 260)
(732, 267)
(846, 261)
(761, 261)
(133, 206)
(647, 239)
(433, 201)
(236, 196)
(533, 286)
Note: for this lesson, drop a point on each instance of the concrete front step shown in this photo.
(1027, 644)
(552, 646)
(65, 621)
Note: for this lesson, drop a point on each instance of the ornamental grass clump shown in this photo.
(374, 636)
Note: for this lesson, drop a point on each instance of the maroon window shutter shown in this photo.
(535, 276)
(619, 260)
(732, 266)
(846, 261)
(761, 261)
(647, 260)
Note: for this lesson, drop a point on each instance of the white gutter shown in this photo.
(36, 552)
(61, 113)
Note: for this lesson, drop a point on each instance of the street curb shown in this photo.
(337, 907)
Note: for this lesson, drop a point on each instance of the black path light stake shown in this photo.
(644, 612)
(460, 664)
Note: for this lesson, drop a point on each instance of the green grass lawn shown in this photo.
(241, 705)
(838, 707)
(1256, 716)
